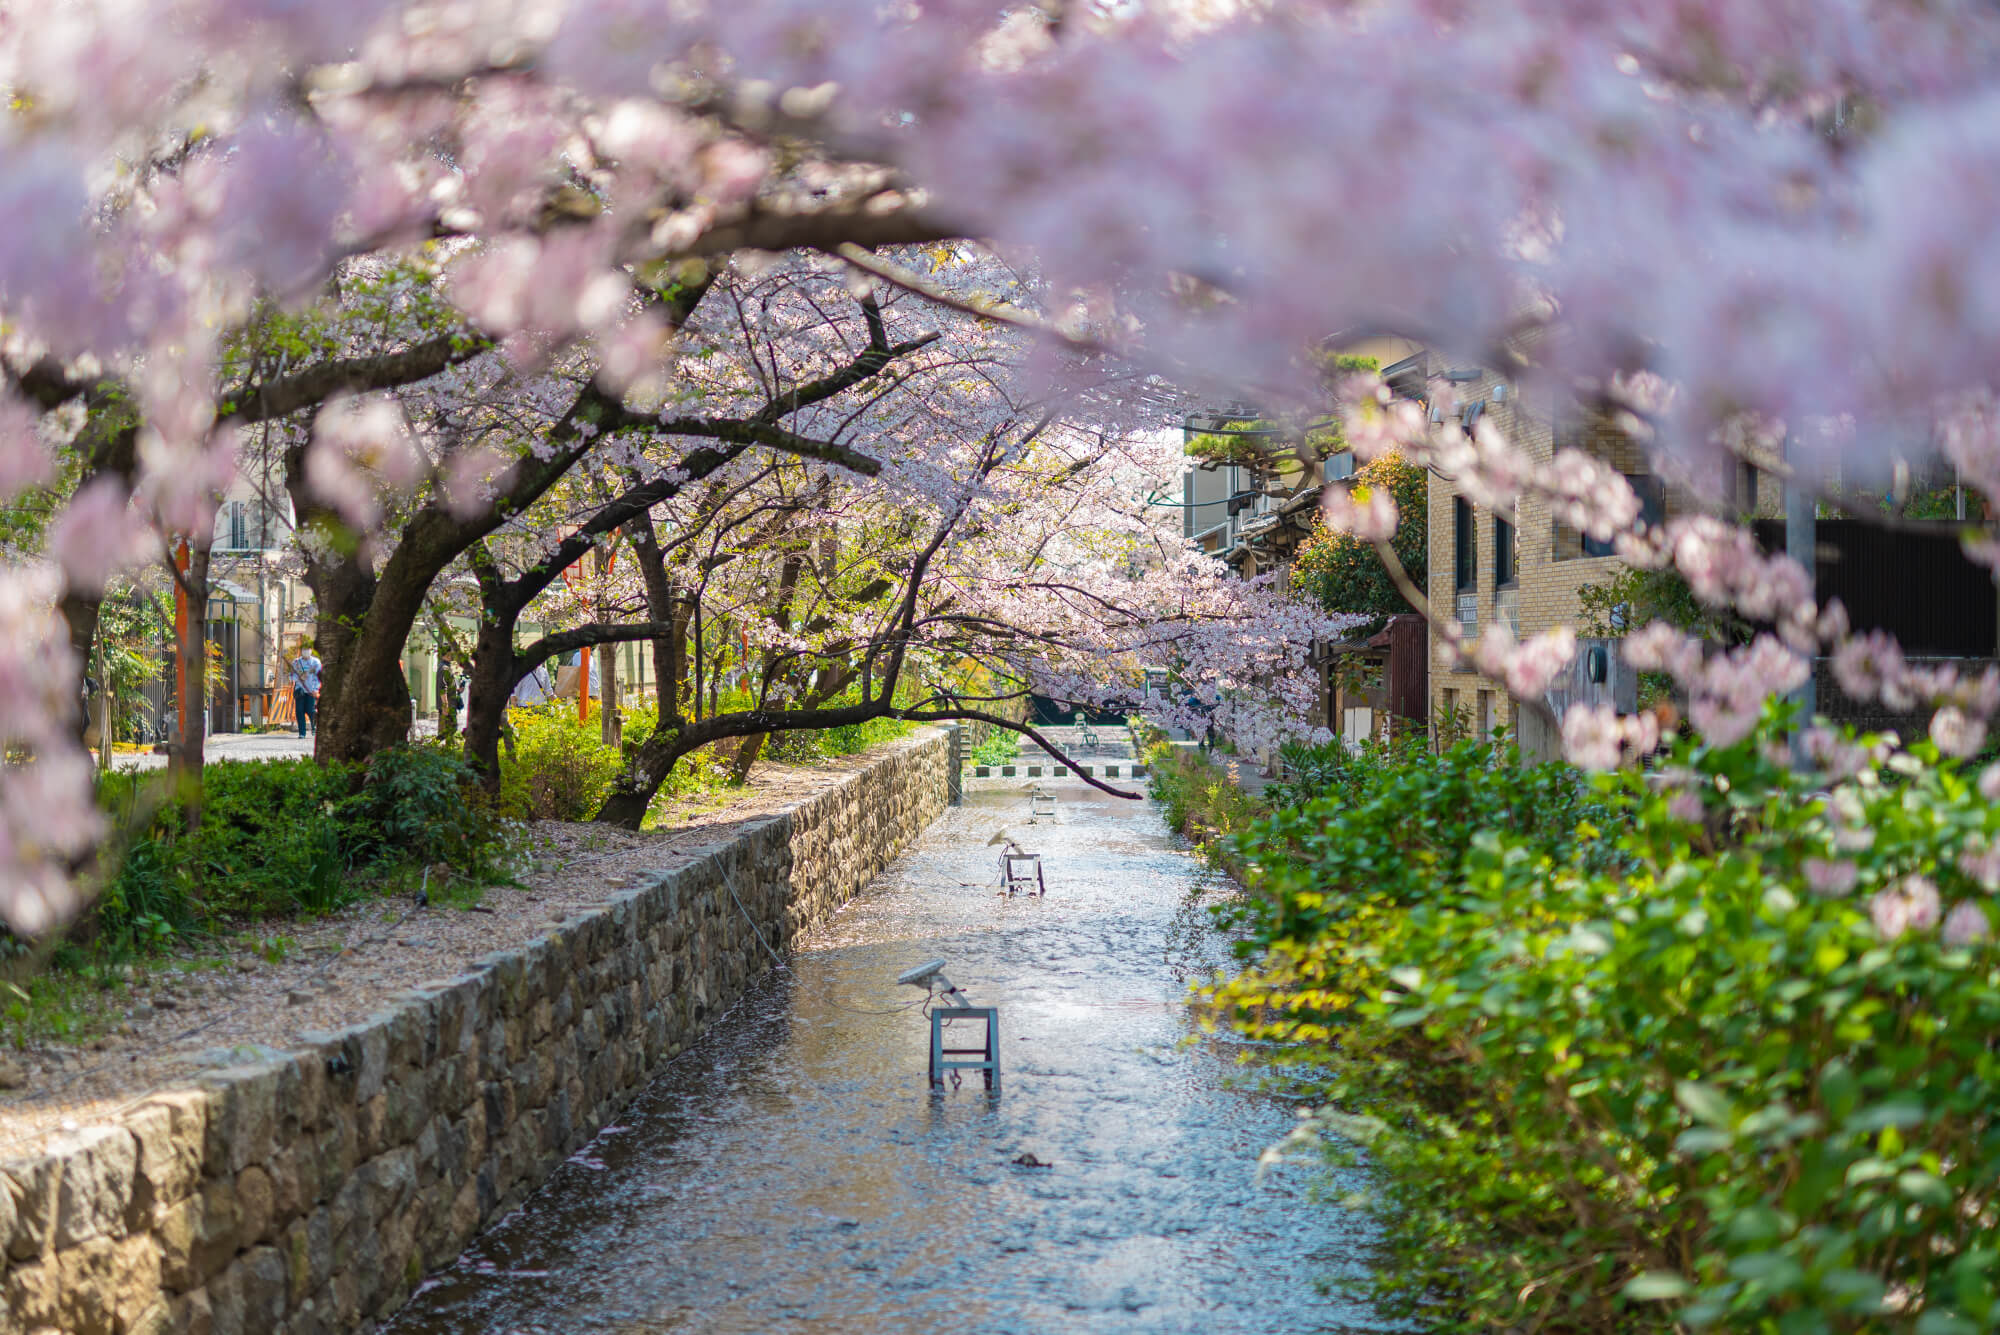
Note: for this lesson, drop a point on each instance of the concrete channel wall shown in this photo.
(313, 1194)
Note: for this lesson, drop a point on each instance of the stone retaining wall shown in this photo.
(314, 1193)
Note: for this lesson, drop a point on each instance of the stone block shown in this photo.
(307, 1248)
(199, 1237)
(167, 1132)
(225, 1302)
(242, 1128)
(303, 1092)
(264, 1294)
(86, 1297)
(94, 1188)
(135, 1283)
(388, 1181)
(371, 1060)
(9, 1219)
(156, 1319)
(371, 1126)
(191, 1314)
(177, 1229)
(335, 1151)
(253, 1205)
(31, 1294)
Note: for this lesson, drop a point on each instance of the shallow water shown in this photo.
(791, 1171)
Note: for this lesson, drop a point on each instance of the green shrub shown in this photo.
(280, 838)
(422, 804)
(1202, 802)
(1663, 1069)
(560, 768)
(999, 748)
(1394, 823)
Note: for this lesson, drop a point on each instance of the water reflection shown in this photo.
(792, 1171)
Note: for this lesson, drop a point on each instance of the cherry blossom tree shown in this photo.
(1698, 216)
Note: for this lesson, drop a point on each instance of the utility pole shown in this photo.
(1801, 544)
(181, 645)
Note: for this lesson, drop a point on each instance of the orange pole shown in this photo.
(180, 643)
(583, 660)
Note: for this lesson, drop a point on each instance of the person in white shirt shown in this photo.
(305, 671)
(535, 687)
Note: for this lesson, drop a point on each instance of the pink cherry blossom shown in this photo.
(1829, 878)
(1967, 924)
(1369, 513)
(1957, 733)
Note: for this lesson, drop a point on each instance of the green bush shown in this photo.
(281, 837)
(808, 744)
(1395, 822)
(1202, 802)
(1720, 1069)
(559, 768)
(421, 803)
(1000, 748)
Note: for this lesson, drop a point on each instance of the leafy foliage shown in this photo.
(1616, 1061)
(1201, 801)
(559, 768)
(283, 837)
(999, 748)
(846, 740)
(1342, 573)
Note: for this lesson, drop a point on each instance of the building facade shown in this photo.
(1523, 570)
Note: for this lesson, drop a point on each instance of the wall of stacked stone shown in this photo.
(313, 1194)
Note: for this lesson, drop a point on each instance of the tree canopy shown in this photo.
(419, 262)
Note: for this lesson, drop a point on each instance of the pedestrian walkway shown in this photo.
(226, 746)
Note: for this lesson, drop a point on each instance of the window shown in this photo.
(1652, 509)
(1465, 565)
(1746, 486)
(1505, 568)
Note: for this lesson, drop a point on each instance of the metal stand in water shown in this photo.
(1021, 870)
(949, 1008)
(1041, 802)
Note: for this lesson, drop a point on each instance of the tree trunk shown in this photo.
(81, 614)
(184, 761)
(444, 678)
(746, 756)
(607, 677)
(492, 685)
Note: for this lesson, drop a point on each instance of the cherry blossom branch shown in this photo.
(561, 642)
(352, 375)
(999, 312)
(978, 716)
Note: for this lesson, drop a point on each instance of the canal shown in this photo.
(791, 1171)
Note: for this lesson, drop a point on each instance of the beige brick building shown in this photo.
(1522, 571)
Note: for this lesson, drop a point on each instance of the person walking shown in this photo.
(305, 687)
